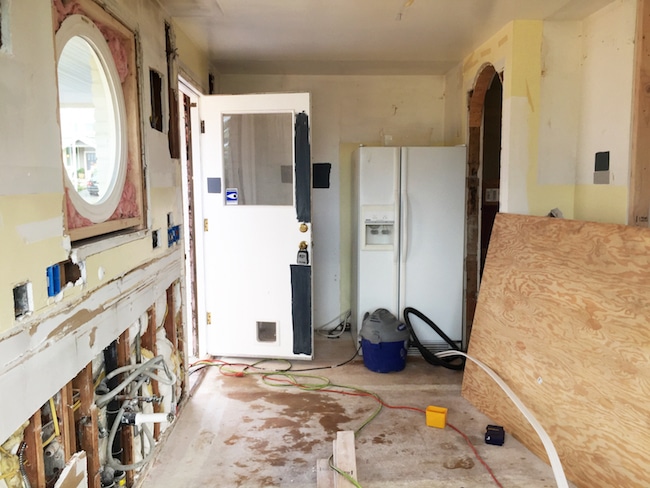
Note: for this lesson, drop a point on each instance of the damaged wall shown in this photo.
(567, 95)
(121, 275)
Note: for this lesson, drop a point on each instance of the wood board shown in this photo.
(563, 316)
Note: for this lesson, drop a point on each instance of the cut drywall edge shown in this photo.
(74, 474)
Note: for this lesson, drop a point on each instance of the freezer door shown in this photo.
(432, 237)
(376, 237)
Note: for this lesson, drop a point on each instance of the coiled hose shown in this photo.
(456, 363)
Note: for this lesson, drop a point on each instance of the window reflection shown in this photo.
(88, 121)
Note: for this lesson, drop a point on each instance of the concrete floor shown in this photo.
(239, 432)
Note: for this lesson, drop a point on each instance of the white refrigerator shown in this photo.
(409, 221)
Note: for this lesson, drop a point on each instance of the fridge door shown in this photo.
(376, 237)
(432, 236)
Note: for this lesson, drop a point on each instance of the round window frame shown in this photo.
(83, 27)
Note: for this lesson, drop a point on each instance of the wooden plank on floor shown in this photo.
(562, 317)
(324, 474)
(345, 458)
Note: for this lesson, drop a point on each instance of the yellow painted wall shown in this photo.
(193, 60)
(520, 50)
(601, 203)
(345, 161)
(27, 226)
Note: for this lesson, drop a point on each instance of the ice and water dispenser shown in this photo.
(380, 228)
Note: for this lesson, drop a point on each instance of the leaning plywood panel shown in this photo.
(563, 316)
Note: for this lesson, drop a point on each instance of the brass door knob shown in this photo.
(304, 228)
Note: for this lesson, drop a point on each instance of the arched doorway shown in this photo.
(483, 175)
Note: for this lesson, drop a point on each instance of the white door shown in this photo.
(432, 239)
(255, 173)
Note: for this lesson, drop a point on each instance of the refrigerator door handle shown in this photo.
(404, 251)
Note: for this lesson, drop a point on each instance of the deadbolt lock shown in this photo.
(304, 227)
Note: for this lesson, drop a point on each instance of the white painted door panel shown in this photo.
(249, 248)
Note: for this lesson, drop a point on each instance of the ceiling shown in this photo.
(354, 36)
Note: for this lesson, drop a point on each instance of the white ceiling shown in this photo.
(354, 36)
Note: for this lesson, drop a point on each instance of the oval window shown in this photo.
(91, 112)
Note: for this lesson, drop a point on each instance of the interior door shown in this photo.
(257, 230)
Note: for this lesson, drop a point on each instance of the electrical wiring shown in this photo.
(315, 383)
(338, 330)
(556, 465)
(55, 422)
(202, 363)
(21, 461)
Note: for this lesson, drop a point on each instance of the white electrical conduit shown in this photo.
(556, 465)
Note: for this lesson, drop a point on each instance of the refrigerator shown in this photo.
(408, 236)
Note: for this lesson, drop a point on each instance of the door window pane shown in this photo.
(258, 157)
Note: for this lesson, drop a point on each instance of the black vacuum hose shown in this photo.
(457, 363)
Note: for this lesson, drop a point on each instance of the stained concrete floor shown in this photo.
(240, 432)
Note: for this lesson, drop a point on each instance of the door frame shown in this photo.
(476, 105)
(195, 332)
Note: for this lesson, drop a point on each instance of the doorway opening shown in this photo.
(491, 164)
(189, 155)
(483, 180)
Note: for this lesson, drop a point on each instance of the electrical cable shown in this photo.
(322, 384)
(21, 462)
(55, 423)
(430, 357)
(339, 329)
(556, 464)
(202, 363)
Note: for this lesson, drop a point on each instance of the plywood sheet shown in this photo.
(563, 316)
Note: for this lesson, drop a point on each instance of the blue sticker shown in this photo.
(232, 196)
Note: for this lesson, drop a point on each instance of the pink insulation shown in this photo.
(129, 205)
(74, 218)
(116, 45)
(62, 11)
